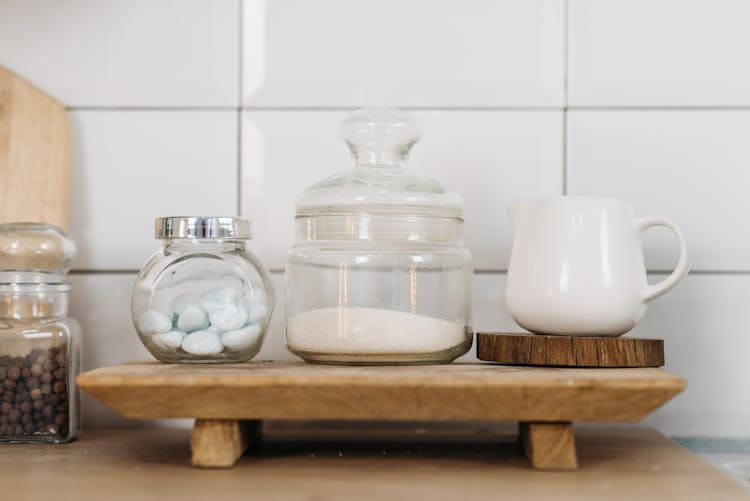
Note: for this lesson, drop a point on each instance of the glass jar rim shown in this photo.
(202, 228)
(32, 282)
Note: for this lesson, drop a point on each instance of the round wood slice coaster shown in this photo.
(569, 351)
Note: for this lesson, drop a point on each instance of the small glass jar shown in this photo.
(378, 273)
(204, 297)
(39, 345)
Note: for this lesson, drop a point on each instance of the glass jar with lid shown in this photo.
(378, 273)
(39, 345)
(204, 296)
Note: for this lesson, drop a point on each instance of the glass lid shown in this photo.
(380, 181)
(29, 248)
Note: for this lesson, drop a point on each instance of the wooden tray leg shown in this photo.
(219, 443)
(549, 446)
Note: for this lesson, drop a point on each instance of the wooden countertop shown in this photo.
(361, 461)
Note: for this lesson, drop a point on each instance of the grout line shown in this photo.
(152, 108)
(659, 108)
(240, 52)
(566, 45)
(307, 108)
(565, 100)
(280, 271)
(103, 272)
(240, 83)
(239, 163)
(707, 272)
(564, 108)
(408, 108)
(565, 152)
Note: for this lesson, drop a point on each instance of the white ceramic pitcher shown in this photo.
(576, 267)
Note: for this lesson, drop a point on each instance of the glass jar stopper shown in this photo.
(380, 136)
(35, 247)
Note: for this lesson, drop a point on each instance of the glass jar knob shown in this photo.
(380, 136)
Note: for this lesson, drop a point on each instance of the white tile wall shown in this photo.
(691, 166)
(491, 76)
(125, 53)
(101, 303)
(421, 53)
(130, 167)
(665, 53)
(502, 154)
(704, 323)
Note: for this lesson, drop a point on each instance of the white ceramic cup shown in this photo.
(576, 267)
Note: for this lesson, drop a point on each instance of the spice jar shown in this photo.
(378, 273)
(39, 345)
(203, 297)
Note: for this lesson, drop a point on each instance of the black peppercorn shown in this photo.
(14, 415)
(48, 413)
(34, 393)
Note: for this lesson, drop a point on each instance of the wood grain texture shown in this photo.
(549, 446)
(289, 390)
(569, 351)
(366, 462)
(219, 443)
(34, 154)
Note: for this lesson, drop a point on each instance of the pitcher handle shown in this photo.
(683, 264)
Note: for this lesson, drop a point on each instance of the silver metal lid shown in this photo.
(202, 227)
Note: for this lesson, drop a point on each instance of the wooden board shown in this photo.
(224, 398)
(34, 154)
(570, 351)
(290, 390)
(362, 461)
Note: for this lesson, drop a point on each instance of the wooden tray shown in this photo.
(229, 401)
